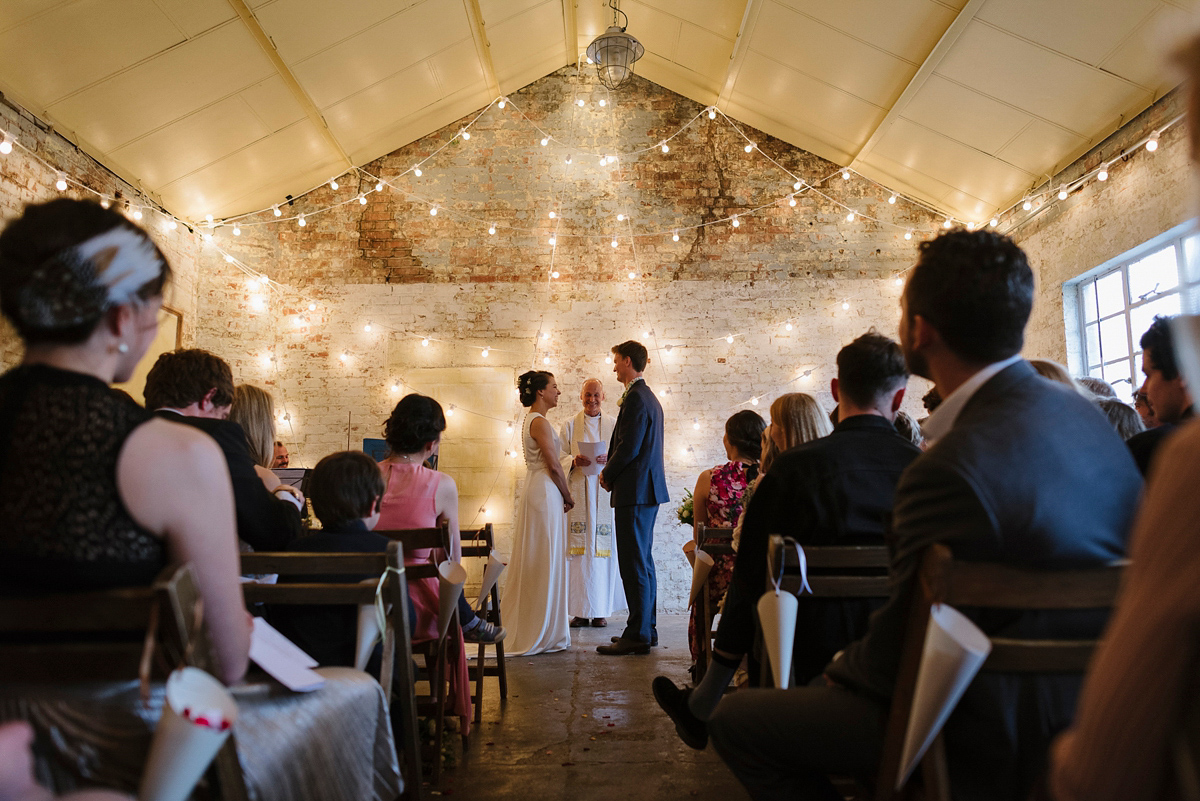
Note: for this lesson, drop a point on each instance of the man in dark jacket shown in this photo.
(836, 490)
(195, 387)
(1022, 471)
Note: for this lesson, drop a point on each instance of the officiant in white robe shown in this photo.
(594, 590)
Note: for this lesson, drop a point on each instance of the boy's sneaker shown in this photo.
(484, 632)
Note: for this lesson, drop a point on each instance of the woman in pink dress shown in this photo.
(417, 497)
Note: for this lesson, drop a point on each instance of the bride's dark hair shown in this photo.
(531, 383)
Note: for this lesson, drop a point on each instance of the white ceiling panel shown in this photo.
(380, 52)
(702, 51)
(274, 103)
(1040, 147)
(1045, 83)
(525, 39)
(978, 121)
(825, 112)
(188, 77)
(829, 55)
(194, 17)
(1071, 27)
(1140, 58)
(903, 28)
(227, 114)
(297, 149)
(361, 114)
(101, 37)
(192, 142)
(301, 28)
(951, 162)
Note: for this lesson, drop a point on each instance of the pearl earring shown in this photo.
(122, 348)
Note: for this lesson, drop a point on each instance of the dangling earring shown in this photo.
(122, 348)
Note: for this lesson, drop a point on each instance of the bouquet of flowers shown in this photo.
(684, 512)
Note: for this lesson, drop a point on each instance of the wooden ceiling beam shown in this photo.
(483, 48)
(741, 46)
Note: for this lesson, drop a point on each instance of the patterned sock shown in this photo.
(708, 693)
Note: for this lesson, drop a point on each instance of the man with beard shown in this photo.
(1022, 471)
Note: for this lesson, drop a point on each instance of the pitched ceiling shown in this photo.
(224, 106)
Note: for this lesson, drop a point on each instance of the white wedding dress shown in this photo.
(535, 592)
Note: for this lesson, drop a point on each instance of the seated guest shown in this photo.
(1022, 471)
(836, 490)
(718, 503)
(254, 410)
(1165, 389)
(1124, 418)
(796, 418)
(1141, 405)
(417, 497)
(346, 492)
(98, 493)
(907, 427)
(195, 387)
(1054, 371)
(1097, 386)
(279, 457)
(17, 781)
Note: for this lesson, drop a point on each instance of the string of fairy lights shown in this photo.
(140, 207)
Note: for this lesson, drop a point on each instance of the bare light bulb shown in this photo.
(845, 175)
(425, 342)
(787, 326)
(171, 224)
(450, 410)
(492, 229)
(553, 241)
(209, 219)
(1062, 194)
(300, 221)
(620, 218)
(614, 242)
(729, 339)
(845, 305)
(948, 223)
(1103, 174)
(545, 141)
(792, 201)
(396, 386)
(379, 186)
(1027, 205)
(568, 158)
(553, 215)
(602, 102)
(907, 235)
(262, 279)
(433, 211)
(417, 172)
(137, 214)
(466, 135)
(797, 185)
(7, 145)
(632, 275)
(850, 217)
(754, 401)
(545, 335)
(61, 184)
(545, 360)
(362, 200)
(712, 113)
(484, 353)
(899, 280)
(344, 356)
(312, 307)
(580, 101)
(333, 184)
(237, 231)
(105, 202)
(554, 274)
(228, 259)
(503, 102)
(275, 210)
(749, 148)
(665, 147)
(367, 328)
(892, 200)
(695, 424)
(735, 221)
(674, 236)
(994, 222)
(1152, 142)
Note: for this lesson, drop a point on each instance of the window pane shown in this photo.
(1154, 274)
(1117, 374)
(1114, 338)
(1093, 344)
(1111, 293)
(1191, 253)
(1141, 317)
(1087, 299)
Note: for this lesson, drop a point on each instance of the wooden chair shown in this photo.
(834, 571)
(943, 579)
(395, 674)
(111, 635)
(433, 705)
(478, 544)
(715, 541)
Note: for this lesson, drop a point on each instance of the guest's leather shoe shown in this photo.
(623, 647)
(599, 623)
(674, 701)
(580, 622)
(653, 640)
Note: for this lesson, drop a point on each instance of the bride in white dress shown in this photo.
(535, 594)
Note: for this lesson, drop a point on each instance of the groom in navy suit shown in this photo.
(634, 476)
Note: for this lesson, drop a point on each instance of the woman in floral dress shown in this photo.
(718, 502)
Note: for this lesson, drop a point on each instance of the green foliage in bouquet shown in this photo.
(684, 512)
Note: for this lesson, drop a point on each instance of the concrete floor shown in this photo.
(583, 726)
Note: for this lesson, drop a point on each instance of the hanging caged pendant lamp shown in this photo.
(614, 51)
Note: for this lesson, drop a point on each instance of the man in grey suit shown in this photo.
(635, 478)
(1022, 471)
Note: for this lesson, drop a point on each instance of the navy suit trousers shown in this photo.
(635, 558)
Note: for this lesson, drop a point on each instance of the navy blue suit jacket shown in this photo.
(634, 472)
(1031, 474)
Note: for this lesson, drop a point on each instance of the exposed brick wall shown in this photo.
(411, 275)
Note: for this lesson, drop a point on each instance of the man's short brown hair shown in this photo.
(636, 353)
(344, 487)
(183, 377)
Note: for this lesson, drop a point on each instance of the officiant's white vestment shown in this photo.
(593, 580)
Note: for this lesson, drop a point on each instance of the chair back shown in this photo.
(985, 585)
(113, 635)
(716, 540)
(834, 571)
(396, 674)
(415, 539)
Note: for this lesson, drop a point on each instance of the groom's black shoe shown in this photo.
(622, 646)
(674, 701)
(653, 639)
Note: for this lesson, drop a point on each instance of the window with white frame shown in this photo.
(1118, 302)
